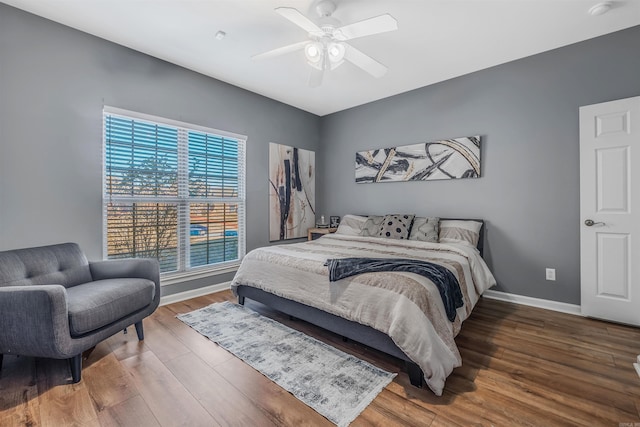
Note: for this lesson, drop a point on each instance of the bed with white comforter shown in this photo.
(405, 306)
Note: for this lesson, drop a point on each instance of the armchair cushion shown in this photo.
(63, 264)
(97, 304)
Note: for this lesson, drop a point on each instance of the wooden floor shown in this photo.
(522, 366)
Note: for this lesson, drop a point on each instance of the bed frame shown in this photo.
(346, 328)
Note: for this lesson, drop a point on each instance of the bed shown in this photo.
(398, 313)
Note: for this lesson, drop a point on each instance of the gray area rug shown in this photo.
(337, 385)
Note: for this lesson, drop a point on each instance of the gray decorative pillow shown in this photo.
(425, 229)
(371, 226)
(396, 226)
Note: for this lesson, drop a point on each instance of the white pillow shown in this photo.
(459, 231)
(351, 225)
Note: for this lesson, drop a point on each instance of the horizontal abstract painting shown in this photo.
(444, 159)
(292, 188)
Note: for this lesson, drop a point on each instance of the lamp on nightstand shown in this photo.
(322, 223)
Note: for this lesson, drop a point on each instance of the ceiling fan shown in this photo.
(325, 48)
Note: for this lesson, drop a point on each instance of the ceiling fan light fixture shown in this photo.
(313, 52)
(336, 51)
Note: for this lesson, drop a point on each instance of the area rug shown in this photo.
(335, 384)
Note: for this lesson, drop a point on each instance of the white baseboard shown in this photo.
(181, 296)
(534, 302)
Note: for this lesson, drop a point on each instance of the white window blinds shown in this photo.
(172, 191)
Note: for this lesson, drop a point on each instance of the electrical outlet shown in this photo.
(551, 274)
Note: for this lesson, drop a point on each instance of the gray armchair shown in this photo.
(56, 304)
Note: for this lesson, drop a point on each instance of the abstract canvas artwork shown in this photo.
(292, 188)
(444, 159)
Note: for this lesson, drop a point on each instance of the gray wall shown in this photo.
(54, 82)
(527, 114)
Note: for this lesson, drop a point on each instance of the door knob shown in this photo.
(590, 222)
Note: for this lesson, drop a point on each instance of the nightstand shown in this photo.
(314, 233)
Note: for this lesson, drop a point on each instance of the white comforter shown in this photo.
(405, 306)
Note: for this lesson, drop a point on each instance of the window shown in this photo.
(172, 191)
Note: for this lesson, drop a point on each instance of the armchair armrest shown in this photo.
(139, 268)
(34, 320)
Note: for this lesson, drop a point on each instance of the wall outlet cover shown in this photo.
(551, 274)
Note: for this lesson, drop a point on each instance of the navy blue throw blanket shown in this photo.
(444, 279)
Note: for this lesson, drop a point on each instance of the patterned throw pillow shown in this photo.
(425, 229)
(396, 226)
(371, 226)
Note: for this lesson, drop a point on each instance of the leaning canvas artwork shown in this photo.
(292, 188)
(444, 159)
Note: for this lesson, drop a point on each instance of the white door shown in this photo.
(610, 210)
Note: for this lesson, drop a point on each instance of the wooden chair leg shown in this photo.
(75, 363)
(140, 331)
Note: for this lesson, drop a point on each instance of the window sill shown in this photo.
(167, 279)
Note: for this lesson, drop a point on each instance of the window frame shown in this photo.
(183, 200)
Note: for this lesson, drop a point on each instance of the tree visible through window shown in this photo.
(172, 191)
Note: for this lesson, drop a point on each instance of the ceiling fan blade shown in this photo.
(367, 27)
(364, 61)
(299, 19)
(280, 51)
(315, 78)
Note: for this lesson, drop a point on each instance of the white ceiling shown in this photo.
(435, 40)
